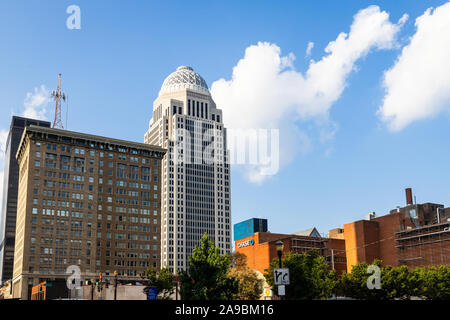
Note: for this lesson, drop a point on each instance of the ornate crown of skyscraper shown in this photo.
(184, 78)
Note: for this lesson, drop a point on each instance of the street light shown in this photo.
(92, 289)
(115, 285)
(280, 246)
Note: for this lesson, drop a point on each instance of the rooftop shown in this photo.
(89, 137)
(184, 78)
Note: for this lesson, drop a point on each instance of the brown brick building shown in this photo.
(409, 235)
(424, 246)
(260, 248)
(88, 201)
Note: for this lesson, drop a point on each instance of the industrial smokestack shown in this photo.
(409, 198)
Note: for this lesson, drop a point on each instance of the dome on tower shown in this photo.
(184, 78)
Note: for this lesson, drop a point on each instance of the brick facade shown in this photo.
(263, 250)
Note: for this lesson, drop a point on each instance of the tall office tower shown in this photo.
(10, 184)
(196, 173)
(87, 201)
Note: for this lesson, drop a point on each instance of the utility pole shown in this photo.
(92, 289)
(332, 258)
(115, 285)
(57, 95)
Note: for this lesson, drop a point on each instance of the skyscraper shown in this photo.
(195, 170)
(10, 185)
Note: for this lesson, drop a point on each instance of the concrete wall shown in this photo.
(124, 292)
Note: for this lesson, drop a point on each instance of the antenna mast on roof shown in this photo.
(57, 95)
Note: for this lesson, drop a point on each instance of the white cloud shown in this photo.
(418, 85)
(309, 48)
(267, 92)
(36, 103)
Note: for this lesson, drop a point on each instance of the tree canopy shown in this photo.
(206, 278)
(310, 277)
(430, 283)
(250, 285)
(163, 281)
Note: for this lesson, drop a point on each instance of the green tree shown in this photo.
(207, 277)
(432, 283)
(310, 277)
(250, 285)
(354, 284)
(443, 282)
(395, 282)
(163, 281)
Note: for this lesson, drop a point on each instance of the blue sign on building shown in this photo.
(152, 294)
(247, 228)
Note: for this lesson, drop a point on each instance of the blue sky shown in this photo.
(113, 68)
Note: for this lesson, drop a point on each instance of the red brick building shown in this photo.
(425, 246)
(260, 248)
(414, 235)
